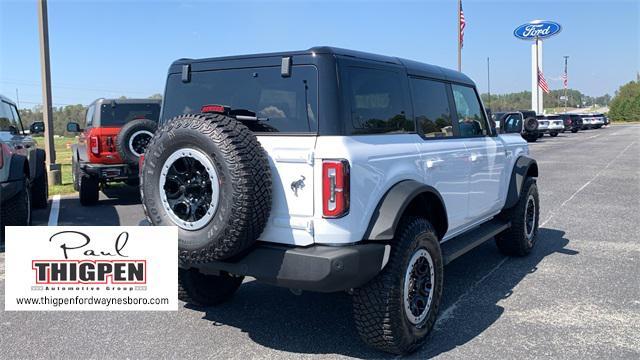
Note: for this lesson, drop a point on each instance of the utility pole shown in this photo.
(488, 83)
(53, 169)
(17, 99)
(566, 74)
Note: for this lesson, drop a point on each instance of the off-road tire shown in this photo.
(574, 130)
(530, 124)
(17, 210)
(514, 241)
(206, 290)
(378, 307)
(89, 188)
(40, 189)
(553, 134)
(128, 130)
(531, 138)
(242, 167)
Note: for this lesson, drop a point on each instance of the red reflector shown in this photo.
(335, 188)
(213, 108)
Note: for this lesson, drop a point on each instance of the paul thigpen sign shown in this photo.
(91, 268)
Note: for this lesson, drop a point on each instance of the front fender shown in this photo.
(523, 168)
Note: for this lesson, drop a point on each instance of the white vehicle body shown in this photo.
(593, 120)
(543, 125)
(470, 174)
(556, 125)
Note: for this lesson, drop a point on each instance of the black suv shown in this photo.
(23, 176)
(572, 122)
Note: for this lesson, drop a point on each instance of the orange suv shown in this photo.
(116, 133)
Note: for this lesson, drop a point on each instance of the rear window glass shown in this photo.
(377, 102)
(283, 104)
(431, 108)
(120, 114)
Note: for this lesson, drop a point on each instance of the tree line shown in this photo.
(522, 100)
(61, 115)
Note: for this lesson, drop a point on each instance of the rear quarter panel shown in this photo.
(377, 163)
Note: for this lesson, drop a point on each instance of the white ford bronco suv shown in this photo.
(334, 170)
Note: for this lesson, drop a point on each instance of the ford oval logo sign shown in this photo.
(537, 29)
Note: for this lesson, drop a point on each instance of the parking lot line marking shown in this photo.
(554, 211)
(594, 136)
(55, 210)
(448, 312)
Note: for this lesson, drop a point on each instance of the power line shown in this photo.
(70, 87)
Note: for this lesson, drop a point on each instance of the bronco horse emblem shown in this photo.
(298, 185)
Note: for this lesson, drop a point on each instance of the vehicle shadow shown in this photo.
(103, 213)
(314, 323)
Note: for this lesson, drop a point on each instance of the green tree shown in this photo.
(625, 106)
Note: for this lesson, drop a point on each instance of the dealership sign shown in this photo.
(537, 29)
(91, 268)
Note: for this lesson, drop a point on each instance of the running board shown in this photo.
(461, 244)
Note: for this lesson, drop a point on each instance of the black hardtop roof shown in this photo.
(102, 101)
(412, 67)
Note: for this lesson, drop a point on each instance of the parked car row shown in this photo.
(533, 126)
(23, 175)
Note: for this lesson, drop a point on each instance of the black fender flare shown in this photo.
(39, 157)
(17, 169)
(523, 168)
(390, 209)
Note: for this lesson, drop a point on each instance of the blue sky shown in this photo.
(112, 48)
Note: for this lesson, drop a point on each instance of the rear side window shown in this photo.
(122, 113)
(431, 108)
(284, 104)
(377, 99)
(471, 121)
(9, 119)
(89, 118)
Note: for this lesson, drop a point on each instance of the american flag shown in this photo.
(462, 25)
(565, 80)
(542, 82)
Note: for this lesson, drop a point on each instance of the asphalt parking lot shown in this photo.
(576, 296)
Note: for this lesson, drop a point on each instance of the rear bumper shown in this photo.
(111, 172)
(315, 268)
(9, 189)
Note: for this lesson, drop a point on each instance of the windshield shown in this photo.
(120, 114)
(282, 104)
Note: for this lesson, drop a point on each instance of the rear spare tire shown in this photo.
(133, 139)
(207, 174)
(530, 124)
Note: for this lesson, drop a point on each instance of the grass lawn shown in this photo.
(63, 157)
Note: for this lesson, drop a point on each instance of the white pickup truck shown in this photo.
(334, 170)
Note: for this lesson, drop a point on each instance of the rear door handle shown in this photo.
(434, 162)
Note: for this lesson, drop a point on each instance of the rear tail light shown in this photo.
(94, 145)
(1, 156)
(335, 188)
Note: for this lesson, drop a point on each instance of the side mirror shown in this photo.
(511, 124)
(73, 127)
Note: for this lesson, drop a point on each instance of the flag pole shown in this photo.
(537, 80)
(488, 83)
(459, 34)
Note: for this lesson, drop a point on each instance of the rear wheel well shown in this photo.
(532, 171)
(26, 170)
(428, 205)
